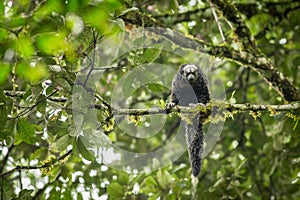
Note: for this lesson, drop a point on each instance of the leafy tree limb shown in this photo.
(45, 165)
(179, 109)
(20, 94)
(227, 106)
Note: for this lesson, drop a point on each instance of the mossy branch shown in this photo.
(182, 109)
(220, 105)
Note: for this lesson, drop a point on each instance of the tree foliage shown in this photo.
(248, 48)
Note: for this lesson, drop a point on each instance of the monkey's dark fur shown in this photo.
(190, 87)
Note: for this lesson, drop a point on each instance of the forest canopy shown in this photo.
(84, 87)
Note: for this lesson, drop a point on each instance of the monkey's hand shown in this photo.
(170, 105)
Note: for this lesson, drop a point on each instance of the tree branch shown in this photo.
(179, 109)
(20, 94)
(18, 167)
(5, 159)
(226, 106)
(217, 21)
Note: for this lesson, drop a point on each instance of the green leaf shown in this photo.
(56, 126)
(55, 173)
(296, 61)
(24, 47)
(39, 154)
(156, 87)
(55, 194)
(133, 9)
(45, 43)
(25, 132)
(83, 150)
(47, 8)
(2, 97)
(74, 5)
(150, 181)
(150, 55)
(67, 194)
(164, 178)
(97, 17)
(295, 125)
(42, 103)
(6, 190)
(115, 190)
(128, 85)
(75, 150)
(61, 144)
(25, 194)
(4, 72)
(31, 73)
(139, 42)
(174, 5)
(3, 34)
(15, 22)
(123, 178)
(49, 61)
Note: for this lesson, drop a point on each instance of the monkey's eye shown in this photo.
(190, 70)
(191, 73)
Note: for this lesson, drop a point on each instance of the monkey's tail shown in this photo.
(195, 138)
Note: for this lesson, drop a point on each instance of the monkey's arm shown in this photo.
(173, 101)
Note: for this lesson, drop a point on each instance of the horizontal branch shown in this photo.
(252, 107)
(18, 167)
(20, 94)
(227, 106)
(179, 109)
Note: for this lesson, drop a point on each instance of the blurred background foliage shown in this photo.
(43, 44)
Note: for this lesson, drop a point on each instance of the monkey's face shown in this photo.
(190, 72)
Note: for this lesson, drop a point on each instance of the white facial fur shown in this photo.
(190, 72)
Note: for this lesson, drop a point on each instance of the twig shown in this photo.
(232, 14)
(95, 37)
(27, 110)
(20, 94)
(5, 159)
(18, 167)
(217, 21)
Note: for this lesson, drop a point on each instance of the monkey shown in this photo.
(190, 87)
